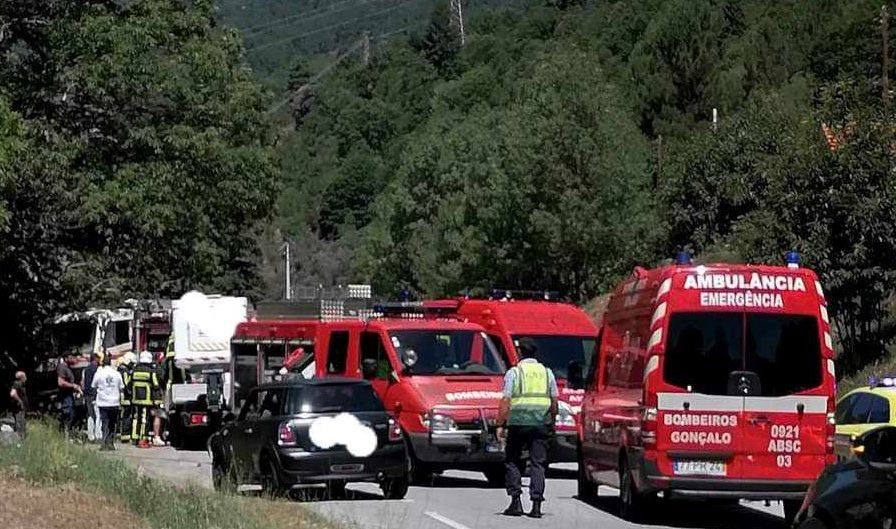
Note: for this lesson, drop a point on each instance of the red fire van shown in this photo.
(564, 336)
(711, 381)
(441, 377)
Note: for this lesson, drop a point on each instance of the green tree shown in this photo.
(164, 160)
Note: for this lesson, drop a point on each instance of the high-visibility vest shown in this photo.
(530, 402)
(144, 386)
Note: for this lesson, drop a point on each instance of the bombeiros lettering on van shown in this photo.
(700, 419)
(754, 281)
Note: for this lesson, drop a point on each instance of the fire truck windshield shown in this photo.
(557, 351)
(454, 352)
(703, 349)
(73, 337)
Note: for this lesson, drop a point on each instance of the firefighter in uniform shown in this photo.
(126, 368)
(526, 420)
(145, 391)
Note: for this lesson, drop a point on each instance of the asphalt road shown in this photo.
(463, 500)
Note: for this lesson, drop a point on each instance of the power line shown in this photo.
(317, 77)
(316, 13)
(325, 28)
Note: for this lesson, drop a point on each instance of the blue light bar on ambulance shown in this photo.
(683, 258)
(793, 259)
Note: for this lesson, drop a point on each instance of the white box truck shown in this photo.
(203, 326)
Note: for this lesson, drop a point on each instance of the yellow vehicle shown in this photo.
(864, 409)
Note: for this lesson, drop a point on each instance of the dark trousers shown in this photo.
(67, 413)
(109, 418)
(534, 439)
(20, 423)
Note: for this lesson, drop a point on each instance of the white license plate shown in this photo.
(699, 468)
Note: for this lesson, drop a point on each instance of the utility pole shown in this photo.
(288, 269)
(457, 17)
(885, 59)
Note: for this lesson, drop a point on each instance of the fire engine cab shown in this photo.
(439, 376)
(564, 336)
(711, 381)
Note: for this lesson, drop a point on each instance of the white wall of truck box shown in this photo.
(203, 326)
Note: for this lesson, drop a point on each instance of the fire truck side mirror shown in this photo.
(574, 377)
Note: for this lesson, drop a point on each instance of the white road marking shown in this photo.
(447, 521)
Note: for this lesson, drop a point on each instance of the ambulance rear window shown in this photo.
(703, 349)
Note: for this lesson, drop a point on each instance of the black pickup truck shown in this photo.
(310, 433)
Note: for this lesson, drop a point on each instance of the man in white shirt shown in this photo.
(108, 385)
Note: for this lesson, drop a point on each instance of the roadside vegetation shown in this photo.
(886, 366)
(46, 464)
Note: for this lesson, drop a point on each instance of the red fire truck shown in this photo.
(564, 336)
(711, 381)
(441, 377)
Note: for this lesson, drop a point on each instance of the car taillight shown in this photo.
(285, 435)
(198, 418)
(395, 431)
(648, 426)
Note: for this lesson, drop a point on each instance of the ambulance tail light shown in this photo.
(830, 430)
(285, 435)
(648, 427)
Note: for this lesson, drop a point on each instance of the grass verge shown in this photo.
(46, 460)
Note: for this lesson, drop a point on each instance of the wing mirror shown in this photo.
(877, 448)
(574, 377)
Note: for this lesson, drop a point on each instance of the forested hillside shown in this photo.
(568, 142)
(275, 31)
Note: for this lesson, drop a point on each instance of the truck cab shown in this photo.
(564, 336)
(439, 376)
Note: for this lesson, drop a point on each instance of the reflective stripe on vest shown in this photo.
(531, 398)
(142, 385)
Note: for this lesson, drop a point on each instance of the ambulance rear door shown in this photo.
(785, 408)
(700, 430)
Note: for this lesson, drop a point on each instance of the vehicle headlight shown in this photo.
(566, 416)
(438, 422)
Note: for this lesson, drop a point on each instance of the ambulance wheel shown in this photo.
(632, 502)
(791, 509)
(395, 488)
(586, 489)
(494, 474)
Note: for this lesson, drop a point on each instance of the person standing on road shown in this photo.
(19, 396)
(94, 429)
(526, 419)
(145, 393)
(68, 389)
(108, 385)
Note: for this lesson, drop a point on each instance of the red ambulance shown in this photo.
(564, 335)
(441, 377)
(711, 381)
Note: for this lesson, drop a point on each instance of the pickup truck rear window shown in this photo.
(332, 398)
